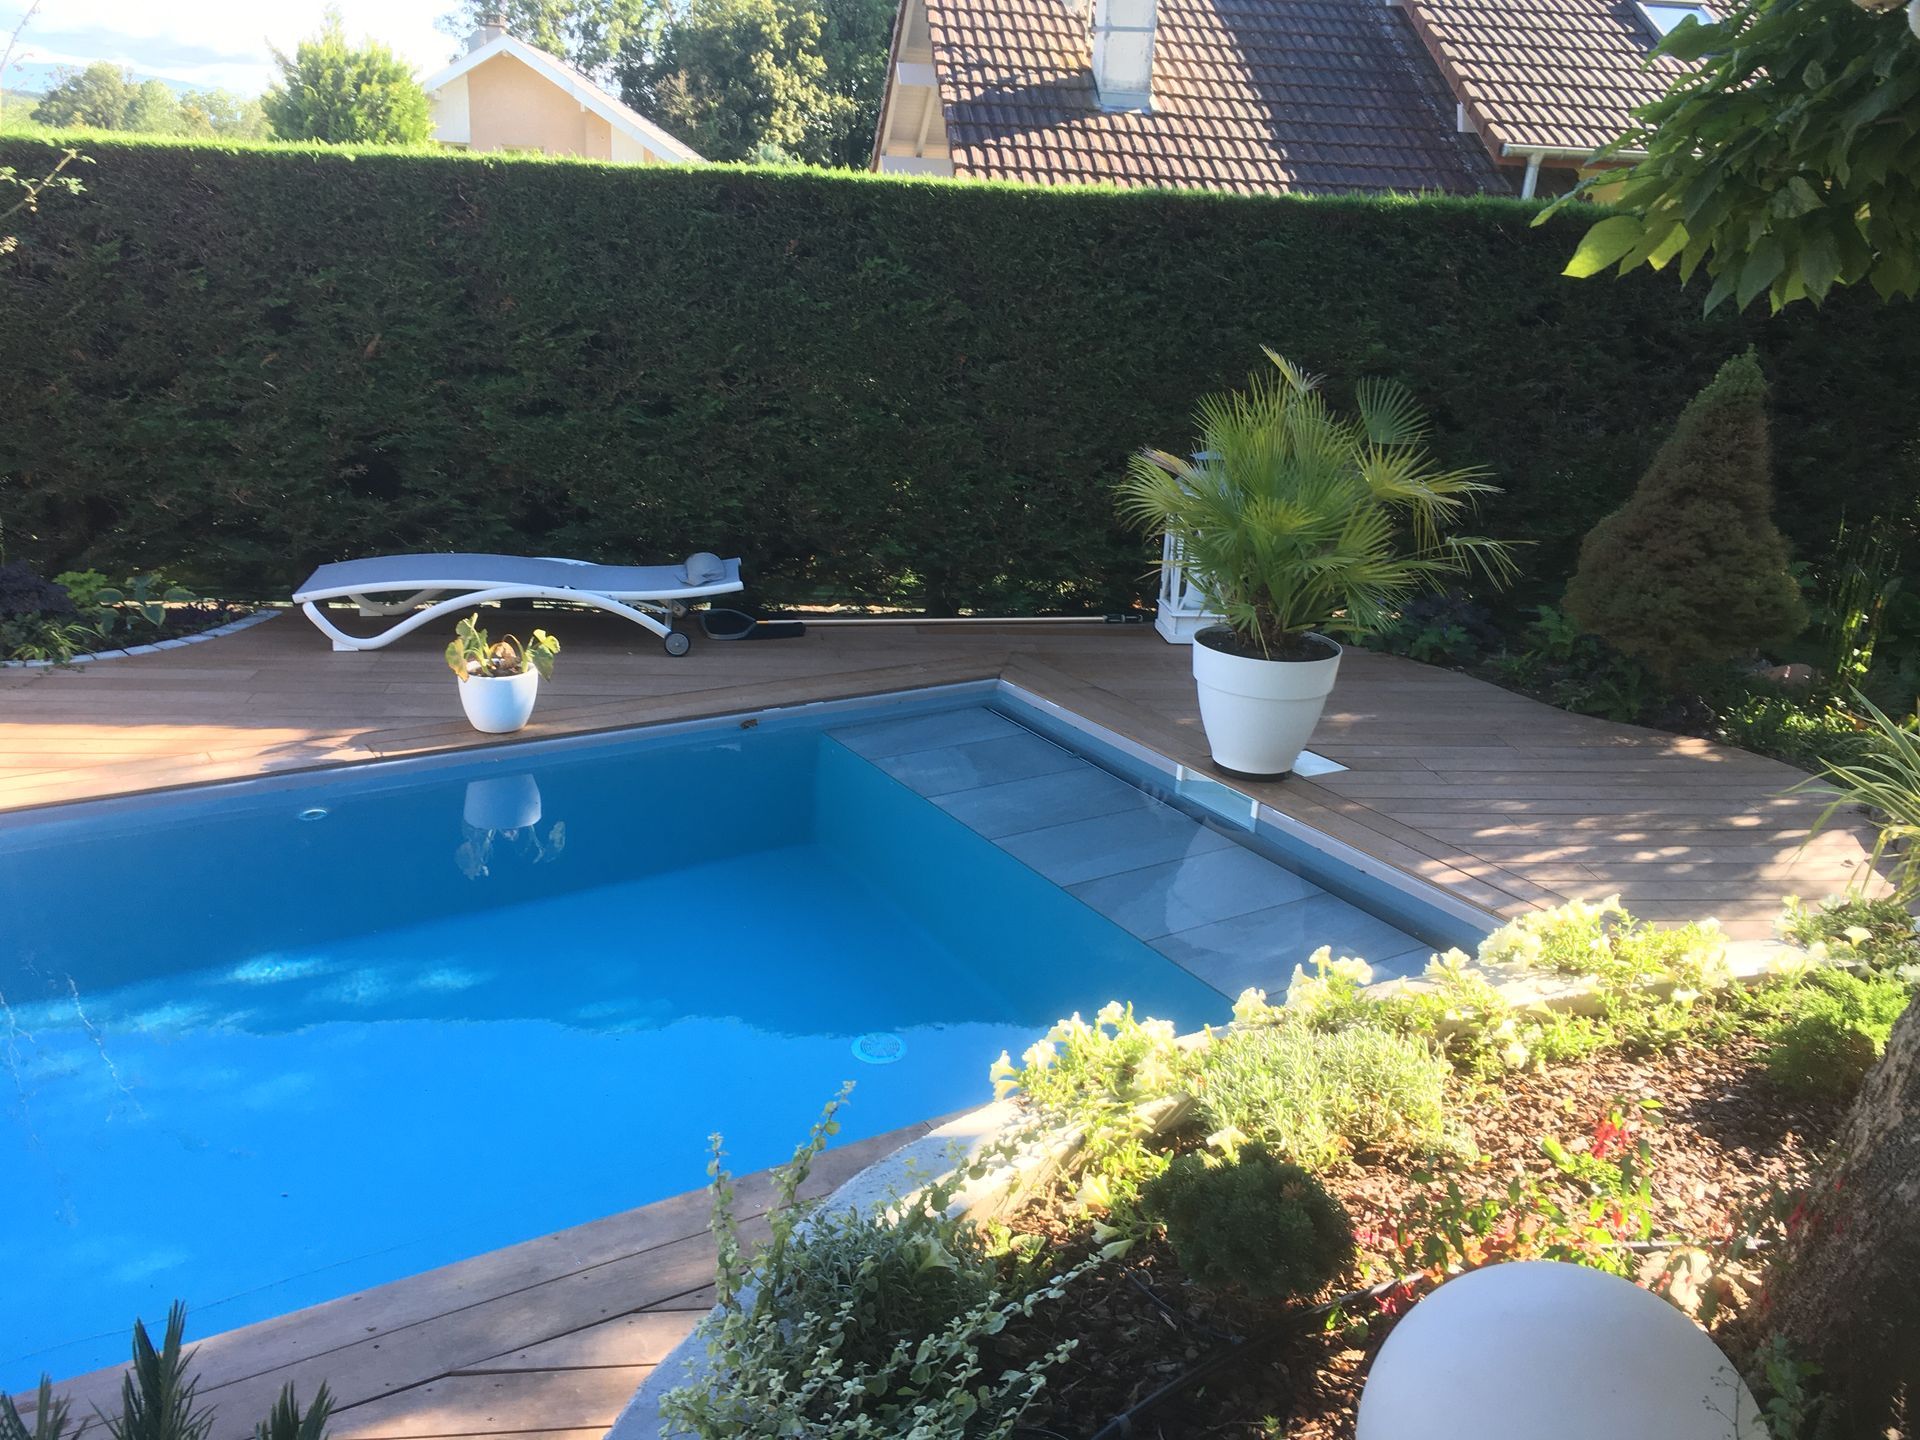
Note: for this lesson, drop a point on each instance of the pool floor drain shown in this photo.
(879, 1047)
(316, 812)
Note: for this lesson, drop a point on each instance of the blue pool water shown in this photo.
(270, 1043)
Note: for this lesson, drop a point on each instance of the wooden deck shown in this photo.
(1507, 803)
(550, 1338)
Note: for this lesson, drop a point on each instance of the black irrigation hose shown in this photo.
(1122, 1425)
(1176, 1316)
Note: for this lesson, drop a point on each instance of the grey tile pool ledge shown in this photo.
(1229, 916)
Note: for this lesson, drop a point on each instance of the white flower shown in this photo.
(1250, 1006)
(1227, 1140)
(1161, 1030)
(1111, 1013)
(1858, 934)
(1304, 991)
(1350, 968)
(1515, 1055)
(1040, 1055)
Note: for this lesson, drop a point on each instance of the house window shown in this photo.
(1666, 18)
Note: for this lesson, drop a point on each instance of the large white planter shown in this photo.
(1259, 713)
(499, 705)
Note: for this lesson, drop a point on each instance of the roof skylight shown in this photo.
(1666, 18)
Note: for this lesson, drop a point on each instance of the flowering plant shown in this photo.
(1102, 1079)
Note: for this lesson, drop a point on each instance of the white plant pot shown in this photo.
(1259, 713)
(499, 705)
(502, 802)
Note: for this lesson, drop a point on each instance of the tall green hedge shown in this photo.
(238, 362)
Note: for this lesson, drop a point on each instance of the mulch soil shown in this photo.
(1724, 1143)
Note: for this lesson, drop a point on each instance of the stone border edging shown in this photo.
(243, 623)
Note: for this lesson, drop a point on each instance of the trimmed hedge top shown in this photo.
(238, 361)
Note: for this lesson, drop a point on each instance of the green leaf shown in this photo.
(1793, 199)
(1605, 243)
(1763, 265)
(1689, 40)
(1819, 263)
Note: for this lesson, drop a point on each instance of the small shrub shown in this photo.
(839, 1326)
(905, 1273)
(1798, 729)
(1316, 1096)
(40, 637)
(1834, 1029)
(1251, 1223)
(24, 594)
(1879, 933)
(1691, 570)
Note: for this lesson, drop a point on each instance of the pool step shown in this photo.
(1189, 888)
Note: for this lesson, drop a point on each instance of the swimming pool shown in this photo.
(271, 1042)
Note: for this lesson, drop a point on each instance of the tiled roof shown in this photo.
(1558, 74)
(1320, 96)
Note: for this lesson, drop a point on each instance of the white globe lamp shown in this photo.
(1539, 1350)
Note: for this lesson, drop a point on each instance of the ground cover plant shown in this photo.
(1239, 1230)
(864, 1323)
(80, 612)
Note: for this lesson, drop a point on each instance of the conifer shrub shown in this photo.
(1691, 570)
(1253, 1223)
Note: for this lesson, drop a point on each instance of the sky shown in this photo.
(206, 43)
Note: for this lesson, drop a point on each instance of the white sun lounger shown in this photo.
(649, 595)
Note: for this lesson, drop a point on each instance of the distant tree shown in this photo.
(154, 109)
(591, 35)
(96, 98)
(1786, 161)
(856, 37)
(343, 94)
(735, 77)
(221, 112)
(1691, 569)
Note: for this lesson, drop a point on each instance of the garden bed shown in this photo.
(1243, 1214)
(1725, 1142)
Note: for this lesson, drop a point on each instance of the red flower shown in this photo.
(1609, 1138)
(1394, 1301)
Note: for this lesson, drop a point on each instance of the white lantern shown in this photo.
(1539, 1350)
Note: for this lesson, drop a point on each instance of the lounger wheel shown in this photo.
(677, 643)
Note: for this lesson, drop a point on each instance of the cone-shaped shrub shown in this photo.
(1691, 569)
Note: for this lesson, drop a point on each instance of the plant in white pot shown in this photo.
(1300, 524)
(499, 681)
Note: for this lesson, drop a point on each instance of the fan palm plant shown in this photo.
(1295, 519)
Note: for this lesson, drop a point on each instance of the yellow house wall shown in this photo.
(513, 108)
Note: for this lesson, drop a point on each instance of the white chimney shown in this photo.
(1123, 53)
(492, 26)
